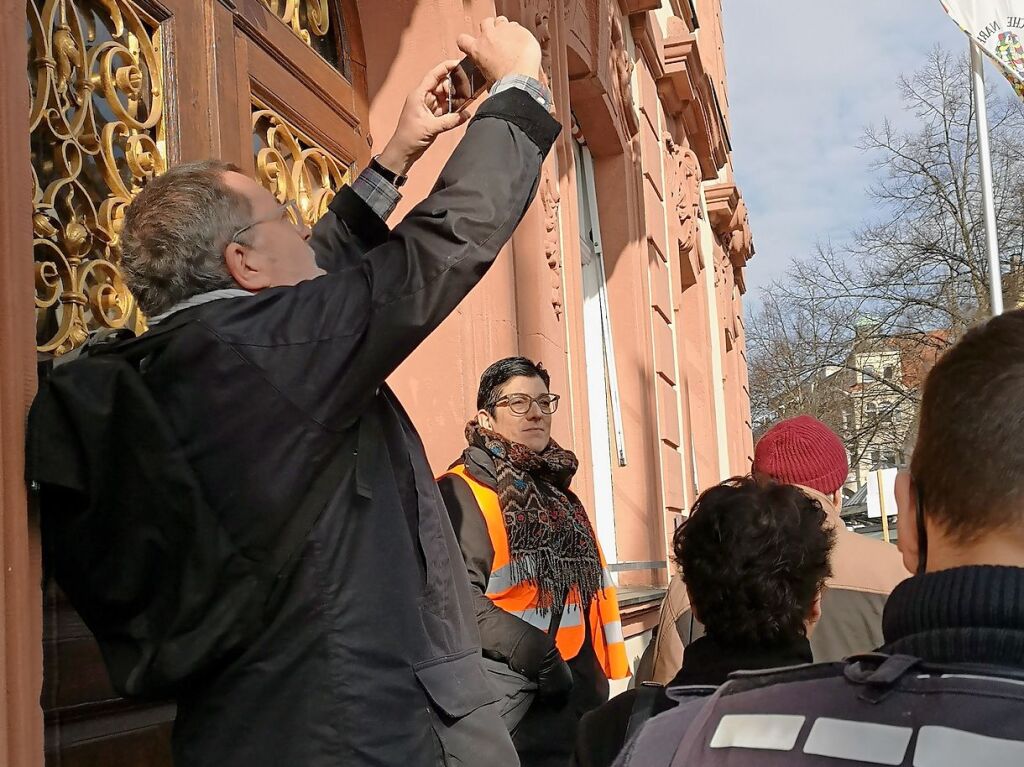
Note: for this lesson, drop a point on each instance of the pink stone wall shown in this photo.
(619, 78)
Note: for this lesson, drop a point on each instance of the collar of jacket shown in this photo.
(479, 465)
(709, 662)
(831, 512)
(963, 615)
(201, 298)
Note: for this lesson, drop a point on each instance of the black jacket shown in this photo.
(962, 615)
(374, 657)
(602, 732)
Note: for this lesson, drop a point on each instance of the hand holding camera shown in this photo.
(438, 103)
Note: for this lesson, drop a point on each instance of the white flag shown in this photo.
(998, 27)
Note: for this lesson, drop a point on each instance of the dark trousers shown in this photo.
(546, 737)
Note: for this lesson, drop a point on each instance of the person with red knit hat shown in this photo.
(803, 451)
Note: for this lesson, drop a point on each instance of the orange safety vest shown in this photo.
(521, 598)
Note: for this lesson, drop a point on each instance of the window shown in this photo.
(876, 456)
(887, 372)
(602, 384)
(868, 374)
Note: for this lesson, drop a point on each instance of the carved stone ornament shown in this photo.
(687, 193)
(683, 179)
(551, 200)
(632, 7)
(740, 240)
(622, 70)
(731, 223)
(687, 92)
(541, 15)
(540, 12)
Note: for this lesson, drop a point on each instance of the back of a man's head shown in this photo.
(175, 232)
(968, 463)
(802, 451)
(754, 557)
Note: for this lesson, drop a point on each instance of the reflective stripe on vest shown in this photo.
(521, 597)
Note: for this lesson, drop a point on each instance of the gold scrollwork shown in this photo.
(305, 17)
(318, 24)
(96, 124)
(294, 167)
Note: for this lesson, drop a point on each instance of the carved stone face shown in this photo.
(741, 241)
(623, 69)
(542, 31)
(550, 199)
(688, 206)
(685, 192)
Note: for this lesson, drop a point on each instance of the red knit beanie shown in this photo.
(803, 451)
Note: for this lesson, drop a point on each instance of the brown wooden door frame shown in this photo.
(21, 667)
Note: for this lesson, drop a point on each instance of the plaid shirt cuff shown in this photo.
(383, 197)
(535, 89)
(377, 192)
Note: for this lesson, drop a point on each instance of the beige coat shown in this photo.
(864, 572)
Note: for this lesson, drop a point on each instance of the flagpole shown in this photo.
(985, 161)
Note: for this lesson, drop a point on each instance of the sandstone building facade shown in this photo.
(625, 279)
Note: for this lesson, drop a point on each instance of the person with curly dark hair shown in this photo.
(754, 556)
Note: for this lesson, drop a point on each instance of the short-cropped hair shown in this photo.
(968, 463)
(175, 232)
(503, 371)
(754, 557)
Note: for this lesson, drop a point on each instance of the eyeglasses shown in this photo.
(290, 211)
(520, 404)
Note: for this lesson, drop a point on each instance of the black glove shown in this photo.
(554, 678)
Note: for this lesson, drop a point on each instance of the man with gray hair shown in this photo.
(276, 343)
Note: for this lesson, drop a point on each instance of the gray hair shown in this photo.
(175, 232)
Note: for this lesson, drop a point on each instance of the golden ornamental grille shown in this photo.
(319, 24)
(293, 166)
(96, 127)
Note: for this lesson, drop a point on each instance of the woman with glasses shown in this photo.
(546, 606)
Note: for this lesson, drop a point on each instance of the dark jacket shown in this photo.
(374, 658)
(968, 618)
(602, 733)
(963, 615)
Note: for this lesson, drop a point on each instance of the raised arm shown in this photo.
(347, 331)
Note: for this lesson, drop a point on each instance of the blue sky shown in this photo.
(805, 78)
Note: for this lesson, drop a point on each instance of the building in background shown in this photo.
(883, 381)
(868, 393)
(625, 278)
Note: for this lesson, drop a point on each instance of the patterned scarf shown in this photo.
(551, 542)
